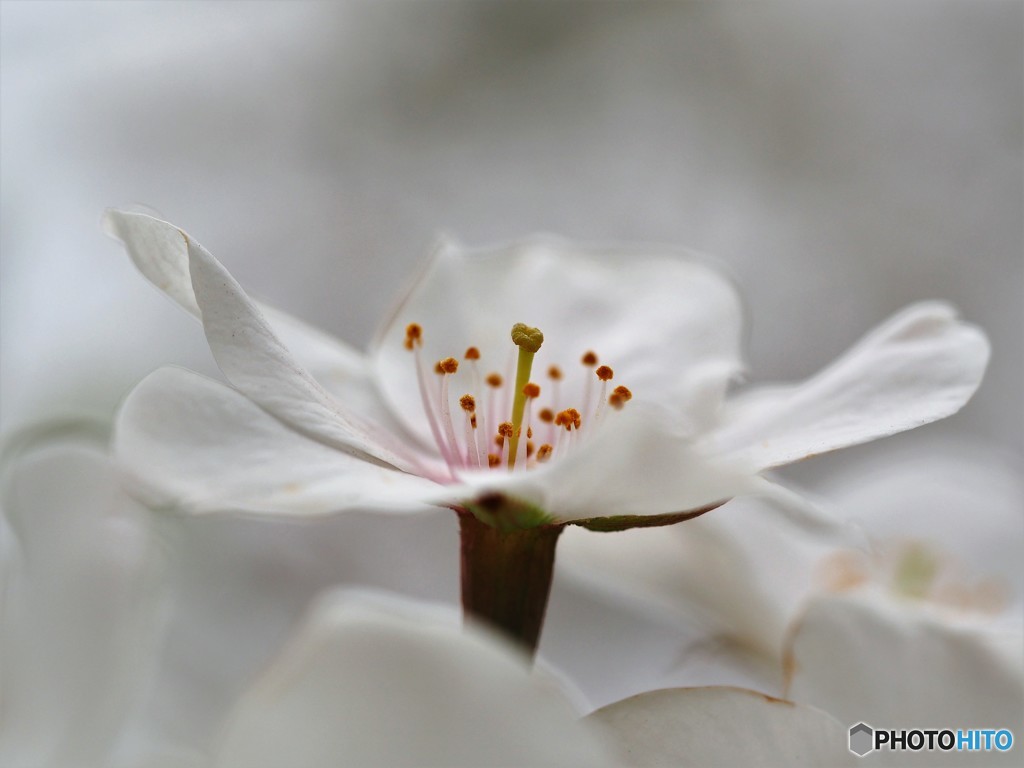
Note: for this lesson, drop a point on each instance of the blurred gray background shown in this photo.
(843, 159)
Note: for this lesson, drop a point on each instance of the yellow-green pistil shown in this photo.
(528, 340)
(916, 572)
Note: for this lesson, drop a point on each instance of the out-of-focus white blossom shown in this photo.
(913, 630)
(82, 591)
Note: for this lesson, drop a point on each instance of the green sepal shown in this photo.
(508, 514)
(625, 522)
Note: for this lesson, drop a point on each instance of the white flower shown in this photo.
(311, 426)
(82, 571)
(941, 608)
(902, 635)
(862, 655)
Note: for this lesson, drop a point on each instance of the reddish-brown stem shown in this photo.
(506, 576)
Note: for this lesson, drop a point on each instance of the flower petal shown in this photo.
(267, 570)
(654, 317)
(158, 250)
(742, 570)
(722, 726)
(925, 490)
(367, 683)
(82, 590)
(639, 463)
(248, 349)
(344, 372)
(920, 366)
(202, 446)
(865, 656)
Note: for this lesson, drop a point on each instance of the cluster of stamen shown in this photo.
(491, 442)
(916, 571)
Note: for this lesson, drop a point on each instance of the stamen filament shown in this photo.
(530, 393)
(555, 374)
(480, 438)
(473, 355)
(602, 401)
(446, 412)
(547, 415)
(473, 452)
(604, 374)
(560, 428)
(435, 430)
(505, 431)
(589, 360)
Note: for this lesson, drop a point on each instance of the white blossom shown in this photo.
(311, 426)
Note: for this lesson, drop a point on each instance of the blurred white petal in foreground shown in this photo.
(866, 657)
(367, 681)
(83, 590)
(719, 726)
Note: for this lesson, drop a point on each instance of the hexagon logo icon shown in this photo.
(862, 739)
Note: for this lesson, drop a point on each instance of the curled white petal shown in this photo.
(247, 347)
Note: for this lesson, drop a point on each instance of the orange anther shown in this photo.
(413, 335)
(624, 393)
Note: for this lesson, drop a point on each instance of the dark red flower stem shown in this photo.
(506, 576)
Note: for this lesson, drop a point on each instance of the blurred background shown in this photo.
(842, 159)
